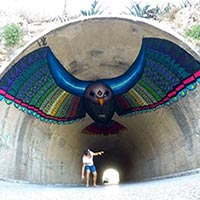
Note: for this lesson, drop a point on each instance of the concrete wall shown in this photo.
(35, 151)
(168, 140)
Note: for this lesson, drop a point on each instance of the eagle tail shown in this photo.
(111, 128)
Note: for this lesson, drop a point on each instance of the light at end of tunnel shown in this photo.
(110, 177)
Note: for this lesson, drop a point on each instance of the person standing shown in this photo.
(89, 167)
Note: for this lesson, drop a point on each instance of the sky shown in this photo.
(55, 7)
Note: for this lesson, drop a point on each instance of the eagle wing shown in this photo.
(30, 86)
(169, 72)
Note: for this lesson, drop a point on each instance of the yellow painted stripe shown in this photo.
(140, 101)
(55, 106)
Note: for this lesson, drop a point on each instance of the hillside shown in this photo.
(177, 18)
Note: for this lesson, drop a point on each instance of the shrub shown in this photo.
(143, 11)
(194, 32)
(185, 3)
(94, 10)
(12, 34)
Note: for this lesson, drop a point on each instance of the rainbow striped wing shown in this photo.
(30, 86)
(168, 73)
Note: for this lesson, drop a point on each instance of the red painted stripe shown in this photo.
(189, 80)
(180, 87)
(75, 107)
(18, 101)
(123, 102)
(172, 94)
(8, 96)
(2, 92)
(197, 74)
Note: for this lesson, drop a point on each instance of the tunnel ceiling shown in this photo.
(93, 49)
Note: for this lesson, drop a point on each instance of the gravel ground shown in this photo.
(182, 188)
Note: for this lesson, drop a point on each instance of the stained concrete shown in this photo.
(158, 143)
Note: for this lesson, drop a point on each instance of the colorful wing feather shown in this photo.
(29, 85)
(169, 72)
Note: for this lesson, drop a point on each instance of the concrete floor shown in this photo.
(182, 188)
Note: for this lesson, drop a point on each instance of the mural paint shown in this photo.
(39, 85)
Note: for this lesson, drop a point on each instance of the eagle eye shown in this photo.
(92, 94)
(106, 94)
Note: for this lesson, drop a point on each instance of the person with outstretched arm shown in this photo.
(89, 167)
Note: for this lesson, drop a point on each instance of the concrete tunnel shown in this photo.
(158, 143)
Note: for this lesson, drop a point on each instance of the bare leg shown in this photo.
(95, 178)
(87, 178)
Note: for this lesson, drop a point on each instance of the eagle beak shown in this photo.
(101, 101)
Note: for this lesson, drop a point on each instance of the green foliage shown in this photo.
(194, 32)
(137, 10)
(166, 8)
(12, 34)
(185, 3)
(94, 10)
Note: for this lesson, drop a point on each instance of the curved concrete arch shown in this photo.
(158, 143)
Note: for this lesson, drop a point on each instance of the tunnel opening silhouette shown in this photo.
(156, 144)
(111, 177)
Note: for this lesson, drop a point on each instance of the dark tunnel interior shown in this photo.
(114, 157)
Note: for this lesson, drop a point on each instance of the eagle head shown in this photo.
(99, 102)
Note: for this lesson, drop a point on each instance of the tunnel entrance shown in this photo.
(110, 177)
(36, 145)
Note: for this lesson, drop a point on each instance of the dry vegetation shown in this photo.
(180, 18)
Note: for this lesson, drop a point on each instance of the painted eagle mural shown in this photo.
(39, 85)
